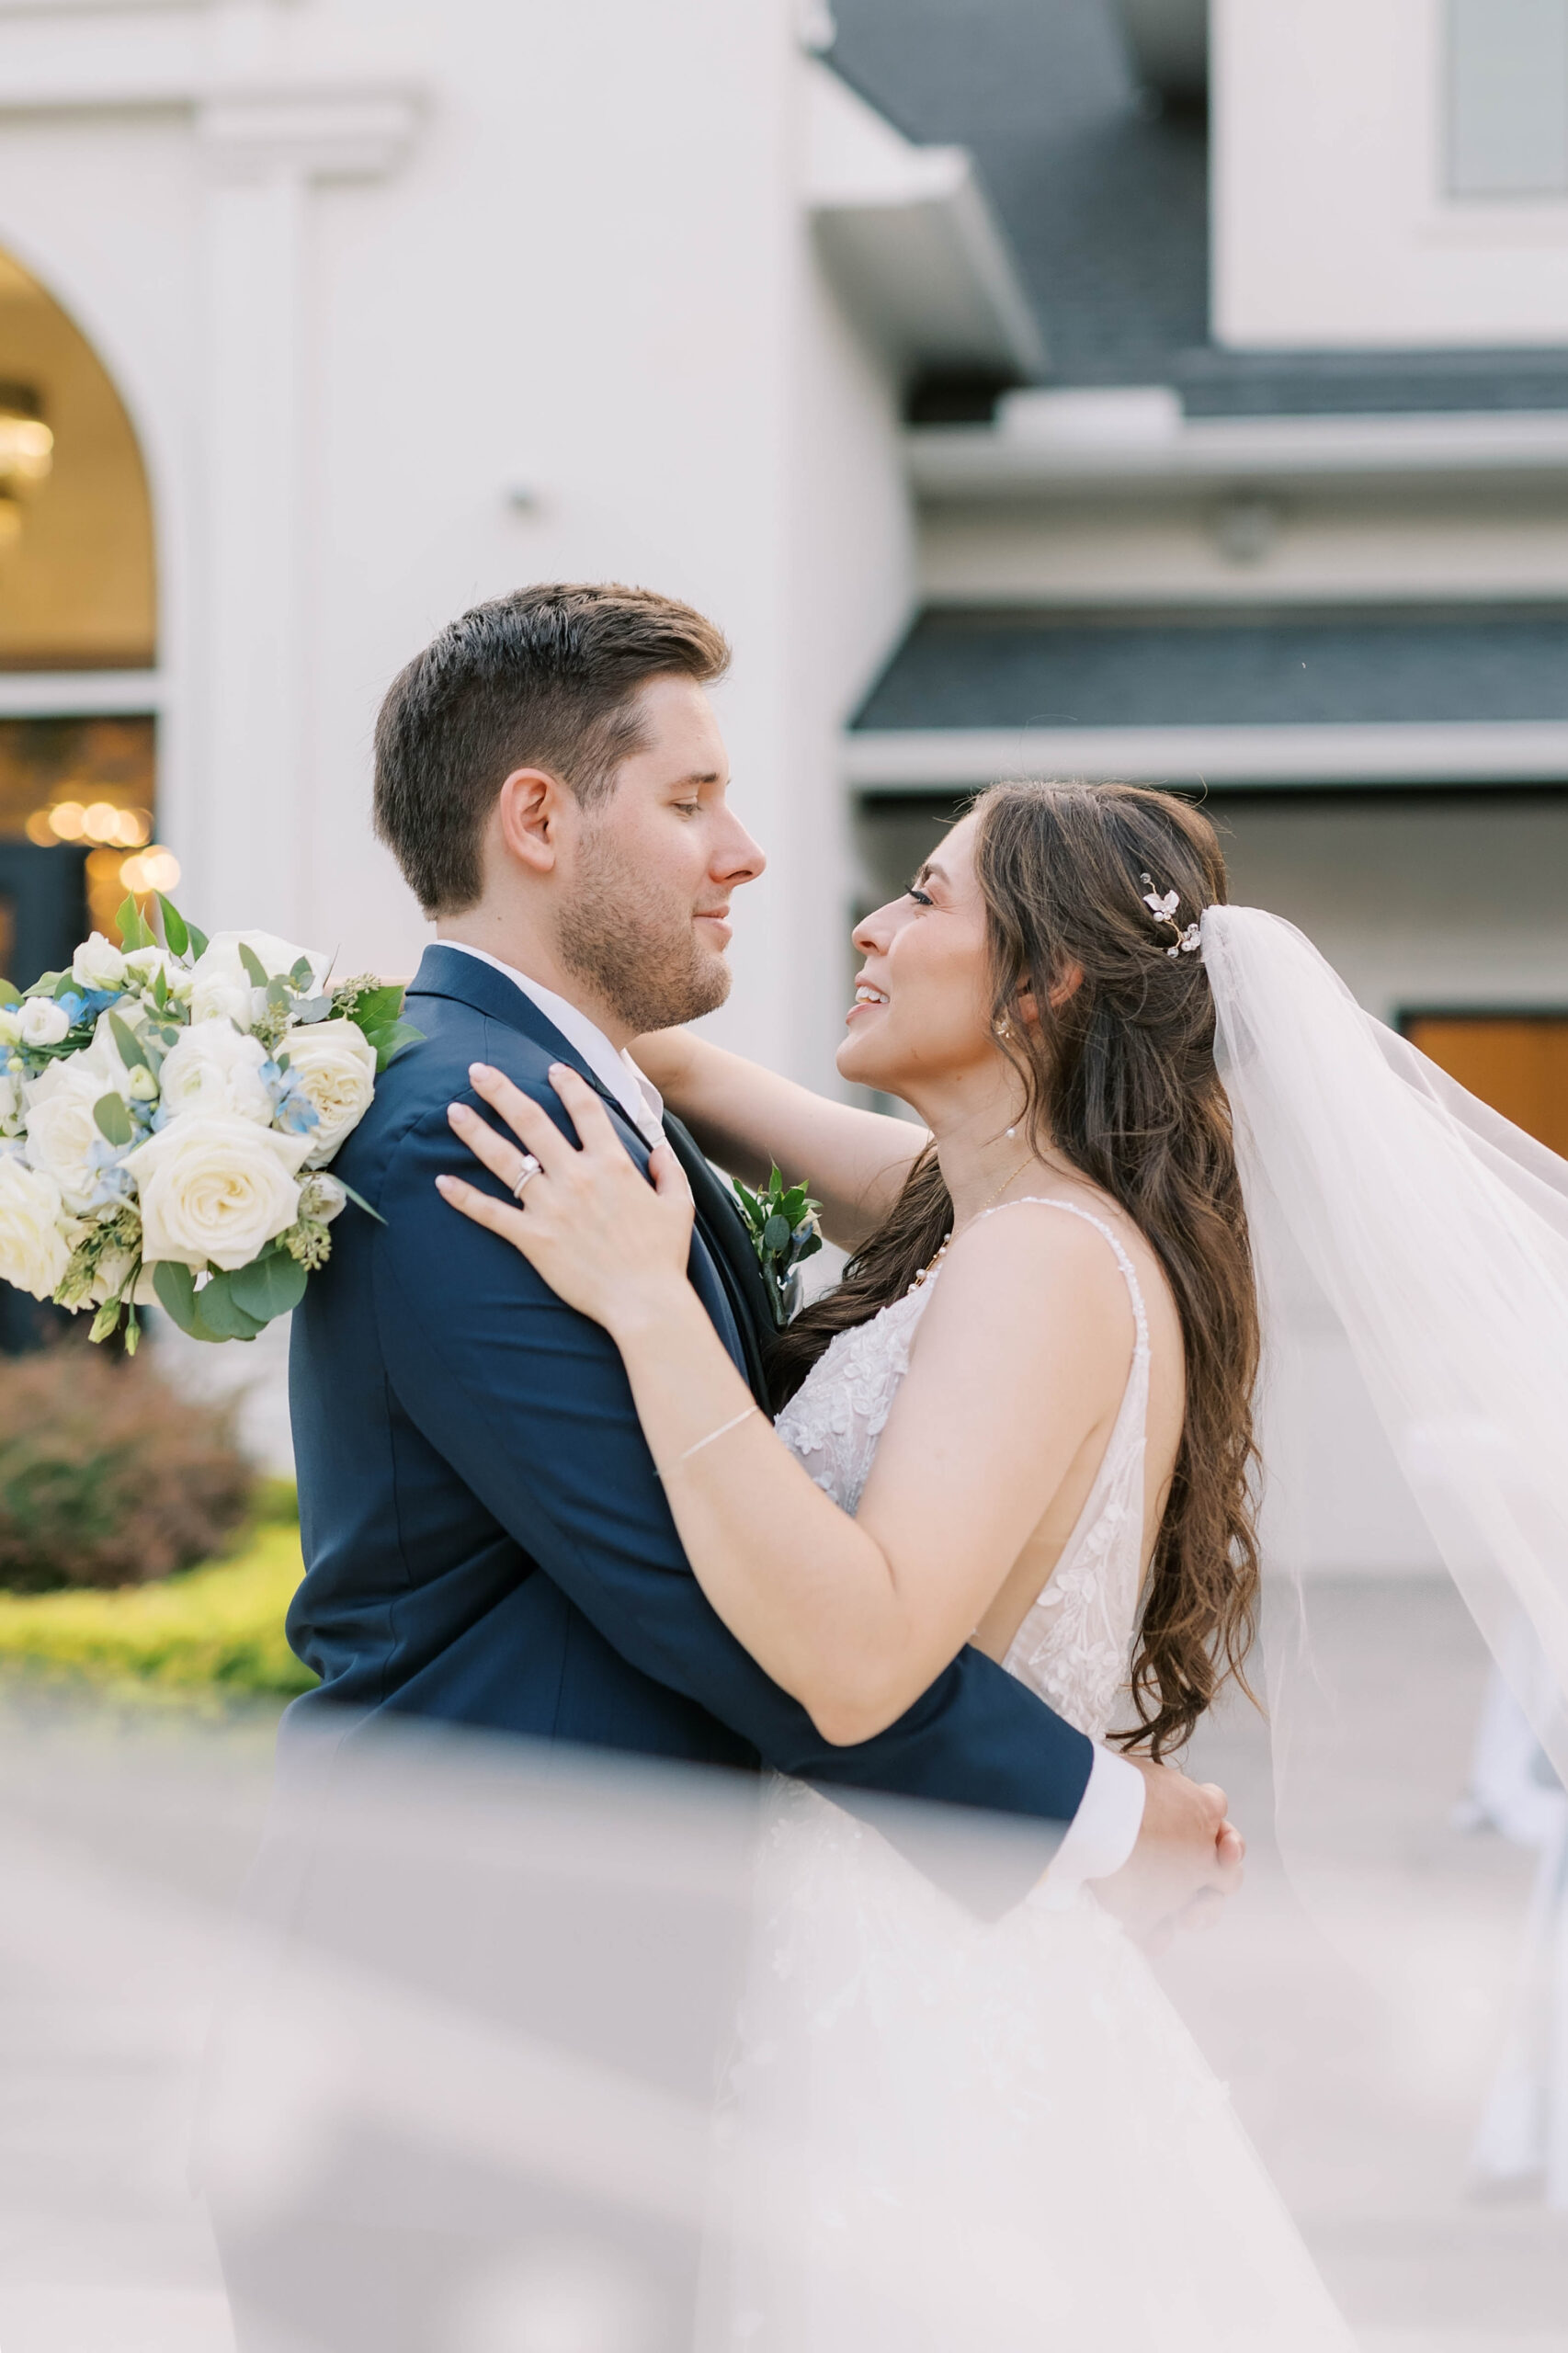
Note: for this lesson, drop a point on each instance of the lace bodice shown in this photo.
(1076, 1644)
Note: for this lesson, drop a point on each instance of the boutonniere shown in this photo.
(783, 1223)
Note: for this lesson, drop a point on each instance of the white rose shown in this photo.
(221, 988)
(34, 1252)
(335, 1065)
(214, 1191)
(143, 966)
(98, 964)
(43, 1023)
(63, 1138)
(216, 1071)
(321, 1196)
(10, 1025)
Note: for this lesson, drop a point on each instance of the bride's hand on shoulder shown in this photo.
(610, 1244)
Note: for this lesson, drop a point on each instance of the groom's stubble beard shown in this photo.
(635, 946)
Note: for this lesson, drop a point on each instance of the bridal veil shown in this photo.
(1436, 1235)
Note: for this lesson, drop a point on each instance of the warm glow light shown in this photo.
(152, 869)
(69, 821)
(100, 822)
(131, 828)
(27, 448)
(40, 829)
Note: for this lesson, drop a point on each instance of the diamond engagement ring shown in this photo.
(530, 1167)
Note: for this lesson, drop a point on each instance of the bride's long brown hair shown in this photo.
(1121, 1079)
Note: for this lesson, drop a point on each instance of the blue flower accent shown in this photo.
(292, 1110)
(74, 1006)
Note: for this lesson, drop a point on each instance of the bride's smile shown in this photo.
(922, 1016)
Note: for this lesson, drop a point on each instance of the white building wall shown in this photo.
(1332, 222)
(414, 301)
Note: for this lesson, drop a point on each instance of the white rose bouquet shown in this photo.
(167, 1110)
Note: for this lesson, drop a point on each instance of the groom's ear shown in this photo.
(531, 809)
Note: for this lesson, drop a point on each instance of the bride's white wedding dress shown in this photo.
(942, 2132)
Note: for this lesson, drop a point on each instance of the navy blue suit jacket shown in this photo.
(486, 1539)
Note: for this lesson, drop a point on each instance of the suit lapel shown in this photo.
(730, 1245)
(722, 1256)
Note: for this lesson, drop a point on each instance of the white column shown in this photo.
(252, 841)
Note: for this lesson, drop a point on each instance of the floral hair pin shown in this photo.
(1162, 905)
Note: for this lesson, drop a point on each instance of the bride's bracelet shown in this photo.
(722, 1431)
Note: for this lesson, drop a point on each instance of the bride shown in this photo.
(1023, 1420)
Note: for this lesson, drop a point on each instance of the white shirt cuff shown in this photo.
(1104, 1831)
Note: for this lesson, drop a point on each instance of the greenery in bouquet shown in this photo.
(169, 1109)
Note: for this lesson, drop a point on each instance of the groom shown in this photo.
(486, 1540)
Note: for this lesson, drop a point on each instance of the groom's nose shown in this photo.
(736, 857)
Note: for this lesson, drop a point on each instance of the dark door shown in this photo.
(43, 916)
(44, 909)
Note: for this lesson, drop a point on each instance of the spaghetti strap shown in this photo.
(1046, 1201)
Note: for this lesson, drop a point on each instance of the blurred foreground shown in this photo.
(466, 2068)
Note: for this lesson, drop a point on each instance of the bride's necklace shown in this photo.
(932, 1264)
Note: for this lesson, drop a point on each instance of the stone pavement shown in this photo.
(1356, 2010)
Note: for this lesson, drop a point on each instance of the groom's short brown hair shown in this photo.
(544, 678)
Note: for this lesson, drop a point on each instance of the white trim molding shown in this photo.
(938, 759)
(1062, 444)
(81, 693)
(318, 133)
(909, 234)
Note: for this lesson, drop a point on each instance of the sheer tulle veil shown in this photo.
(1436, 1235)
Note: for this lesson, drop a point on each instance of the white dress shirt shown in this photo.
(1104, 1831)
(616, 1072)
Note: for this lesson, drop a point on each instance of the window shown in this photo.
(1507, 98)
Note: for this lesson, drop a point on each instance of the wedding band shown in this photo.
(530, 1167)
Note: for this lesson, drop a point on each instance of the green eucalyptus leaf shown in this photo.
(177, 933)
(809, 1247)
(133, 930)
(394, 1040)
(9, 993)
(112, 1118)
(160, 988)
(221, 1312)
(775, 1234)
(301, 972)
(269, 1286)
(176, 1288)
(373, 1009)
(279, 995)
(64, 985)
(129, 1045)
(198, 942)
(755, 1216)
(255, 970)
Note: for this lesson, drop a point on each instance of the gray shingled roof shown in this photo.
(1106, 202)
(1276, 668)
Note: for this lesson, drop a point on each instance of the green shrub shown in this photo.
(107, 1477)
(210, 1637)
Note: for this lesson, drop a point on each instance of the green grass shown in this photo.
(207, 1639)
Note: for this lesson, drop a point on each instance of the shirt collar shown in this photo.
(616, 1072)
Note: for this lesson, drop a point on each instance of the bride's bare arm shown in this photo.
(853, 1617)
(746, 1117)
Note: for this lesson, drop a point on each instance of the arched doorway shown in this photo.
(78, 599)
